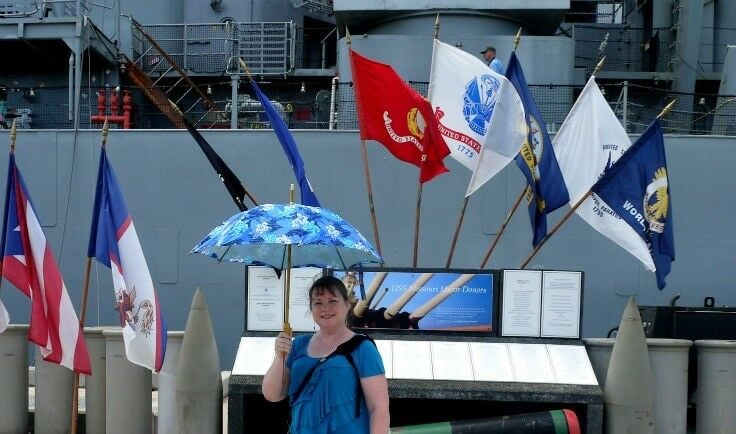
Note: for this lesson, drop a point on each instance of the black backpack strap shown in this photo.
(345, 349)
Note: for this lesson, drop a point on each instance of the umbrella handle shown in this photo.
(288, 331)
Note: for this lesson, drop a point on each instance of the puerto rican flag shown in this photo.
(114, 242)
(29, 264)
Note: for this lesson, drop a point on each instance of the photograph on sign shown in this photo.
(450, 300)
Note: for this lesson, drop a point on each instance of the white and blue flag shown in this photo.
(114, 242)
(479, 113)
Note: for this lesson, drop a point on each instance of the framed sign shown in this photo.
(265, 299)
(521, 303)
(561, 302)
(536, 303)
(425, 299)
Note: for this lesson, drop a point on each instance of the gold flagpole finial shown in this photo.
(599, 66)
(105, 132)
(347, 37)
(436, 27)
(13, 135)
(666, 109)
(517, 38)
(244, 67)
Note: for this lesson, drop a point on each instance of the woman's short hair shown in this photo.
(330, 284)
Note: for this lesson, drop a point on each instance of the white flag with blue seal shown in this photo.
(479, 112)
(588, 143)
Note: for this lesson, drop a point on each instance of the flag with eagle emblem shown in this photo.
(478, 111)
(536, 160)
(397, 116)
(636, 187)
(588, 143)
(113, 241)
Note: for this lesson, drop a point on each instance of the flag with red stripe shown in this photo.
(29, 264)
(114, 242)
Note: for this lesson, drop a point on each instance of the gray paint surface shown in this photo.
(539, 55)
(175, 199)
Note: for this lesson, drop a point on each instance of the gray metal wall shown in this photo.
(545, 59)
(194, 12)
(175, 199)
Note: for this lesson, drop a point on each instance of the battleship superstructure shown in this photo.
(73, 49)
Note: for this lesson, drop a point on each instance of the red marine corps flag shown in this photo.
(397, 116)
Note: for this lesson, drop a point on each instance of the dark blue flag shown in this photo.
(537, 160)
(637, 189)
(290, 148)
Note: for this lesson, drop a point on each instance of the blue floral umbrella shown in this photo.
(286, 236)
(263, 235)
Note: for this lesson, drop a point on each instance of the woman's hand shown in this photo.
(275, 384)
(283, 344)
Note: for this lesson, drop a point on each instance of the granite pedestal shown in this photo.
(425, 401)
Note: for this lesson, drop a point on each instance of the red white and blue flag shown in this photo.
(29, 264)
(114, 242)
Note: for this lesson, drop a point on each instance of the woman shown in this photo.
(344, 393)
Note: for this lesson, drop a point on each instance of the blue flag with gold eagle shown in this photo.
(536, 159)
(636, 187)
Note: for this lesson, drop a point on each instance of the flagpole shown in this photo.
(664, 112)
(208, 153)
(13, 135)
(597, 69)
(557, 226)
(367, 172)
(502, 228)
(517, 38)
(459, 224)
(369, 186)
(416, 221)
(83, 309)
(511, 213)
(435, 35)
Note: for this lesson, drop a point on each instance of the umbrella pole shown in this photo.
(287, 326)
(287, 286)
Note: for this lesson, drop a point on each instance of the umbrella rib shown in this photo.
(344, 267)
(224, 253)
(283, 257)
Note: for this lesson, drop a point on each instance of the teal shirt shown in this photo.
(326, 405)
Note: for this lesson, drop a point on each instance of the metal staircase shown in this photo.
(169, 83)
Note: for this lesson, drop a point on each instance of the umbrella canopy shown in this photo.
(318, 238)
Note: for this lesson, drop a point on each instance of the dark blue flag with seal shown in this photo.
(290, 148)
(536, 159)
(636, 187)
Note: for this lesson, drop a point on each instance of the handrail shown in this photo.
(208, 103)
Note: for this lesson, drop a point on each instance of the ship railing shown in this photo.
(626, 48)
(267, 48)
(44, 8)
(311, 107)
(310, 40)
(212, 48)
(317, 6)
(197, 48)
